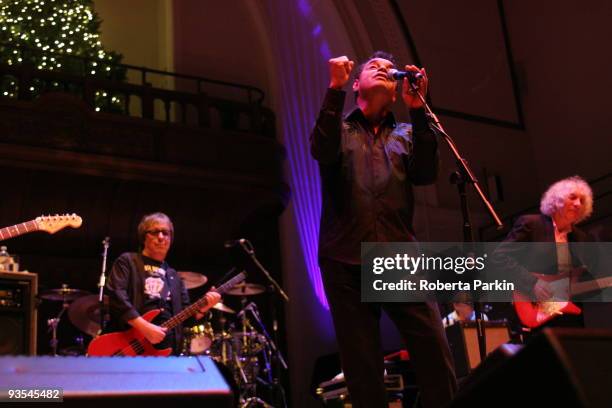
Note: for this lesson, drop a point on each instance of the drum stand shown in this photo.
(53, 323)
(65, 295)
(246, 245)
(243, 376)
(254, 401)
(250, 382)
(270, 351)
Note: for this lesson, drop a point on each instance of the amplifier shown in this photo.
(463, 341)
(18, 313)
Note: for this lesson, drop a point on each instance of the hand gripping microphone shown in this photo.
(395, 75)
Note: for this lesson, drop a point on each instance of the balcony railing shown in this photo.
(188, 102)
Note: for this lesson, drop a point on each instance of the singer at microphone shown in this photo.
(357, 154)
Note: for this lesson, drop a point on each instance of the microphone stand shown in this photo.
(248, 248)
(255, 314)
(102, 283)
(279, 362)
(276, 354)
(461, 177)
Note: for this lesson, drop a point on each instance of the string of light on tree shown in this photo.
(48, 34)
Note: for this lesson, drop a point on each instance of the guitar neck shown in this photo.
(18, 229)
(198, 304)
(589, 286)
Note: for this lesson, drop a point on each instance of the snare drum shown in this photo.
(198, 339)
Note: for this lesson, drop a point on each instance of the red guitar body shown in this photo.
(535, 314)
(127, 343)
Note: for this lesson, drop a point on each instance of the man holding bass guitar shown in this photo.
(143, 282)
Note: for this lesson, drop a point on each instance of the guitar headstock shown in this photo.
(54, 223)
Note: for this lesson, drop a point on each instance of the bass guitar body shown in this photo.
(126, 343)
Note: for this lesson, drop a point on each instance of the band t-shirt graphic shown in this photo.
(156, 289)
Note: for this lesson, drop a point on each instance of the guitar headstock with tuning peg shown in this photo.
(54, 223)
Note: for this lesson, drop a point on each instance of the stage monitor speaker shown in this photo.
(18, 313)
(559, 367)
(463, 342)
(100, 381)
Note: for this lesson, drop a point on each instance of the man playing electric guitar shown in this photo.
(141, 282)
(549, 269)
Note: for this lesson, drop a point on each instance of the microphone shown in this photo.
(250, 307)
(396, 75)
(234, 242)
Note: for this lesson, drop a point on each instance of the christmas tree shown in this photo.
(57, 35)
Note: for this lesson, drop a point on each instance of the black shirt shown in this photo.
(367, 179)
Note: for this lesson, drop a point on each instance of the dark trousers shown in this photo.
(357, 327)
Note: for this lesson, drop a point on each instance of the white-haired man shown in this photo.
(563, 205)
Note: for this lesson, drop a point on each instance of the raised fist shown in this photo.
(339, 71)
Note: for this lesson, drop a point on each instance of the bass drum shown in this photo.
(198, 339)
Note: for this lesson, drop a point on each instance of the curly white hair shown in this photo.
(553, 198)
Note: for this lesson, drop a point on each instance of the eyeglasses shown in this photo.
(156, 232)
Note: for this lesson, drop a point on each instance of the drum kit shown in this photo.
(237, 340)
(69, 297)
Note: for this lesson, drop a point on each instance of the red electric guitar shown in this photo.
(50, 224)
(132, 343)
(535, 314)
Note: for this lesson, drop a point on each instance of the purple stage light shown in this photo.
(302, 90)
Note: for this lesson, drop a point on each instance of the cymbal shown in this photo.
(221, 307)
(62, 294)
(246, 289)
(84, 313)
(192, 280)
